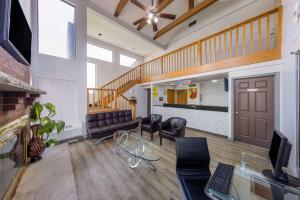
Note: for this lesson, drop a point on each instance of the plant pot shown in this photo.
(36, 147)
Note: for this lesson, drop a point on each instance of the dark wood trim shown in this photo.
(121, 5)
(201, 6)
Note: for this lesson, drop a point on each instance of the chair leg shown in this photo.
(160, 141)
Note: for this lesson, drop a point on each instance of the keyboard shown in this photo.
(221, 179)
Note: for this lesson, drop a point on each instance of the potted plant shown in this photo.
(42, 125)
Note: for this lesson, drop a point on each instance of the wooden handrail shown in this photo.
(121, 76)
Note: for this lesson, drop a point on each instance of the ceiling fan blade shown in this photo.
(139, 21)
(138, 4)
(167, 16)
(141, 25)
(154, 25)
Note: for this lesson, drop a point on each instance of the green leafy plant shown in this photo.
(45, 122)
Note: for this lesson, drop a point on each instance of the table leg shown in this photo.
(133, 161)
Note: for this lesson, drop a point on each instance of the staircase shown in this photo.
(110, 96)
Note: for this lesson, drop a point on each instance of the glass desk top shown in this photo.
(137, 147)
(248, 183)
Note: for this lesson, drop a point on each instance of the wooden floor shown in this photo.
(101, 172)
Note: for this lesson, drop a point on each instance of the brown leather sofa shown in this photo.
(104, 124)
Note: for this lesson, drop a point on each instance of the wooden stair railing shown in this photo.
(103, 100)
(134, 75)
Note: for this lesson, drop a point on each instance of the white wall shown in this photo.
(141, 96)
(63, 79)
(106, 71)
(290, 42)
(213, 94)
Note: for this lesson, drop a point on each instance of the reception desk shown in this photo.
(213, 119)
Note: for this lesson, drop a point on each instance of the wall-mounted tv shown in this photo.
(15, 33)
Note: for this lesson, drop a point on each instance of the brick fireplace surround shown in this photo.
(16, 95)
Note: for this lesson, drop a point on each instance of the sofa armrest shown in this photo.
(146, 120)
(164, 124)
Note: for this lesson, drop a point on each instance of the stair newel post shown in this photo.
(115, 99)
(88, 100)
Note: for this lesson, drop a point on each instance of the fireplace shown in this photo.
(13, 154)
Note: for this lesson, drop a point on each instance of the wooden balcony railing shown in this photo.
(252, 41)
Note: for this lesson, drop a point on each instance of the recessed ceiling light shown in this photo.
(100, 34)
(214, 81)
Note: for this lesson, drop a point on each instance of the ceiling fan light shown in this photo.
(150, 15)
(149, 21)
(155, 19)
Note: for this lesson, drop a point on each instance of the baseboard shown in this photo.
(215, 134)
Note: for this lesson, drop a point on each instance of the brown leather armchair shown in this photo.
(172, 128)
(150, 124)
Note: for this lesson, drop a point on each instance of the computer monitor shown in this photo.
(279, 154)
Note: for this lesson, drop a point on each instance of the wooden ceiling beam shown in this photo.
(121, 5)
(201, 6)
(191, 4)
(164, 4)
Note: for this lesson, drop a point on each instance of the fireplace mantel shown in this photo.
(10, 83)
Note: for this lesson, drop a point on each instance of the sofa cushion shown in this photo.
(116, 118)
(93, 131)
(122, 116)
(109, 118)
(101, 120)
(91, 121)
(128, 115)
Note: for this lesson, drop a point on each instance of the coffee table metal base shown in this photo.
(134, 162)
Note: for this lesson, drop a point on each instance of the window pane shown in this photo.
(127, 61)
(99, 53)
(91, 75)
(56, 28)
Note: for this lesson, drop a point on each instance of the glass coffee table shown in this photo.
(249, 183)
(138, 148)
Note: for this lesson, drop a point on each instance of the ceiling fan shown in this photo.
(153, 14)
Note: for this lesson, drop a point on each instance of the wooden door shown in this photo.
(171, 96)
(254, 110)
(182, 97)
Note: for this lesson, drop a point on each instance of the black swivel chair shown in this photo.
(150, 124)
(172, 128)
(192, 167)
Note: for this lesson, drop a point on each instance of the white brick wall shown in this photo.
(210, 121)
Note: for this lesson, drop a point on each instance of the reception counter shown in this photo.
(212, 119)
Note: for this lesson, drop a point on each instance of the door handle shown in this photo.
(236, 113)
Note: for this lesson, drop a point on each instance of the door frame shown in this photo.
(276, 76)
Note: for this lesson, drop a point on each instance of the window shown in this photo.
(56, 28)
(99, 53)
(127, 61)
(91, 75)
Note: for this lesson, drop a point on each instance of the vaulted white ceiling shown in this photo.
(144, 44)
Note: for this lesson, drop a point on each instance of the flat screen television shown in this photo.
(15, 33)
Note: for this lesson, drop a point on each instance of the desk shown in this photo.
(248, 184)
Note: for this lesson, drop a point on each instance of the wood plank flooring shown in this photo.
(102, 172)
